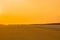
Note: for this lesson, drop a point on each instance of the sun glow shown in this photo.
(29, 11)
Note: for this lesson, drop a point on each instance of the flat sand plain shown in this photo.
(30, 32)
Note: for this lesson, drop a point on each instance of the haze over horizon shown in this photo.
(29, 11)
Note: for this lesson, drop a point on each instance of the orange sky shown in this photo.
(29, 11)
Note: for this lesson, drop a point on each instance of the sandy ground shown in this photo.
(29, 33)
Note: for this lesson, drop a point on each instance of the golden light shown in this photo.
(29, 11)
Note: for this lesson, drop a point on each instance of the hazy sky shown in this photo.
(29, 11)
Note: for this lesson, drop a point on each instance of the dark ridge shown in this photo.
(52, 24)
(29, 24)
(47, 24)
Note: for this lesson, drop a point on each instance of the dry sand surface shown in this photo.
(28, 32)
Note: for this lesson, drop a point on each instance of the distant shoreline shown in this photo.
(34, 24)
